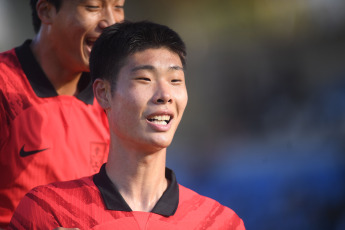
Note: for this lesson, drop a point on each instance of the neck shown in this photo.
(140, 178)
(60, 74)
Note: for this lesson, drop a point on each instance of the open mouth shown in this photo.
(160, 119)
(90, 42)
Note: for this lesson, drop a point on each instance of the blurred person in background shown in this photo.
(139, 80)
(52, 128)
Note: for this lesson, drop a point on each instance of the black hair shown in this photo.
(36, 21)
(119, 41)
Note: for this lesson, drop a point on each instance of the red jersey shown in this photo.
(95, 203)
(44, 137)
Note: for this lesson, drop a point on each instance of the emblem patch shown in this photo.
(99, 154)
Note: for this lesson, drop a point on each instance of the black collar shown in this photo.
(166, 205)
(39, 81)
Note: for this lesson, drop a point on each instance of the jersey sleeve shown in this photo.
(240, 225)
(233, 221)
(34, 212)
(228, 219)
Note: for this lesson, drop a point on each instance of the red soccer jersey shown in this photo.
(95, 203)
(44, 137)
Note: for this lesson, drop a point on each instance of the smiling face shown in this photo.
(76, 26)
(149, 99)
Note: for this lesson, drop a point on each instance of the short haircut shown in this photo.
(117, 42)
(36, 21)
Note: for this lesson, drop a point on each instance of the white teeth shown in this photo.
(160, 122)
(160, 119)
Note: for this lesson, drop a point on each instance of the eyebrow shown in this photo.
(150, 67)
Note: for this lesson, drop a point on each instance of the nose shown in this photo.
(109, 18)
(162, 94)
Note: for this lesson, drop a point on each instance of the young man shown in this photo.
(138, 72)
(52, 128)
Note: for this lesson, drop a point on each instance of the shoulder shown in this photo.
(9, 61)
(8, 56)
(47, 205)
(191, 197)
(11, 72)
(207, 210)
(13, 89)
(64, 190)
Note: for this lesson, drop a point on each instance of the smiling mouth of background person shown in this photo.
(90, 42)
(160, 119)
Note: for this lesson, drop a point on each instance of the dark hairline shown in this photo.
(134, 37)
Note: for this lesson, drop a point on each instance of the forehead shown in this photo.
(156, 57)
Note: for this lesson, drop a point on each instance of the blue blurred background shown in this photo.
(264, 129)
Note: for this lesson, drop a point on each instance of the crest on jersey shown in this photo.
(99, 154)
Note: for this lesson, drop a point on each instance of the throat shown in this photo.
(146, 198)
(69, 87)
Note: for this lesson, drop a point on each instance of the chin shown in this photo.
(86, 66)
(162, 143)
(85, 63)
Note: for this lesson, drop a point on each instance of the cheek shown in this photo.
(119, 120)
(119, 16)
(80, 24)
(182, 100)
(126, 106)
(73, 35)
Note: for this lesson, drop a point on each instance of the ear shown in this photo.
(45, 11)
(102, 92)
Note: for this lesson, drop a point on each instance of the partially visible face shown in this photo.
(149, 99)
(78, 24)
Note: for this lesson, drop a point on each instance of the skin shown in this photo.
(150, 83)
(64, 42)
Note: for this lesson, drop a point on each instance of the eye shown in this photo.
(92, 7)
(176, 81)
(119, 7)
(143, 79)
